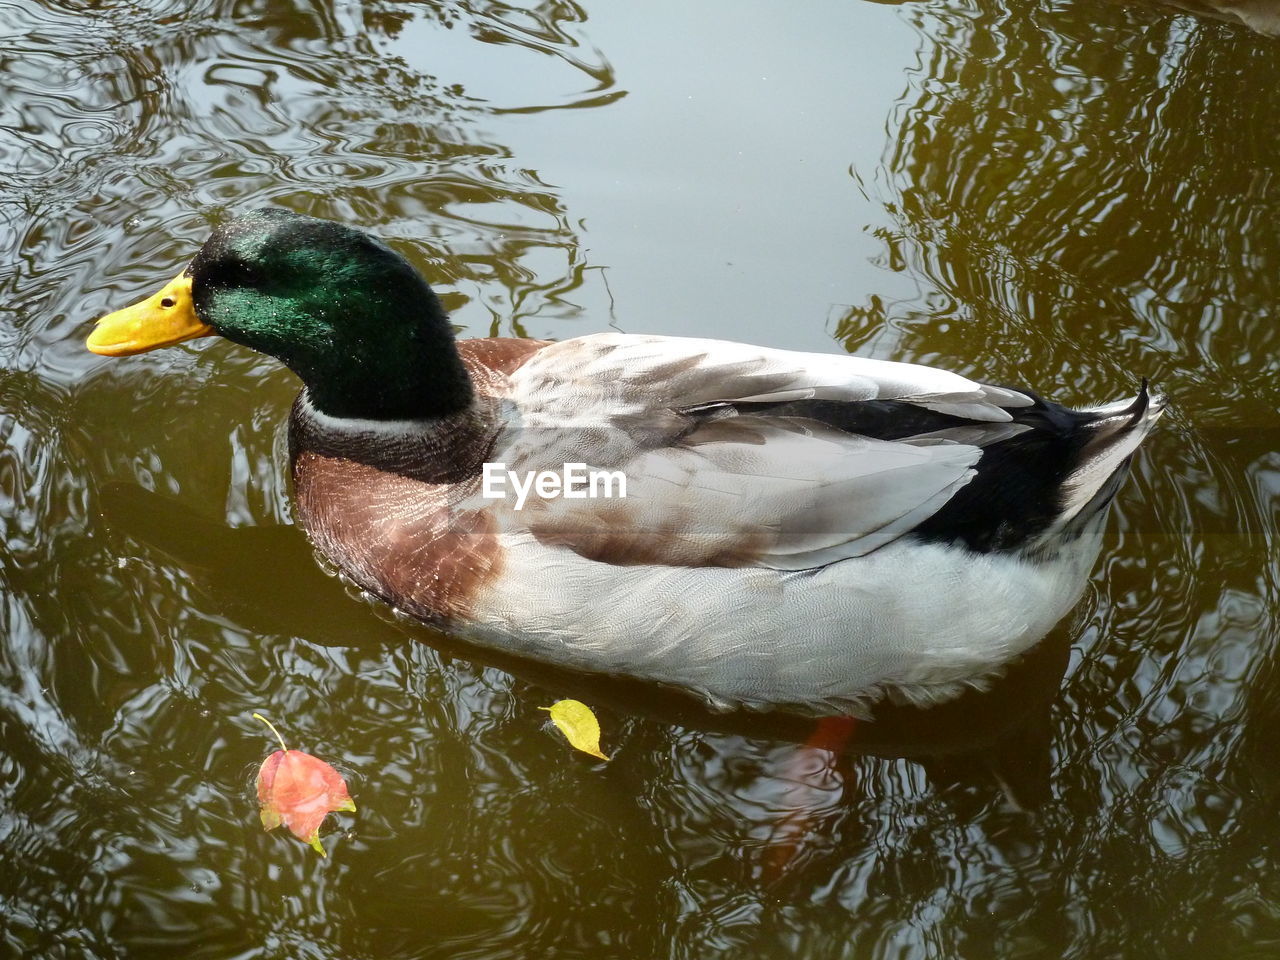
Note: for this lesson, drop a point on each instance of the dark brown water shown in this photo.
(1066, 194)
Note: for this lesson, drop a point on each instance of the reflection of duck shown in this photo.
(263, 578)
(799, 530)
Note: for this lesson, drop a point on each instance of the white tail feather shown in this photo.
(1124, 425)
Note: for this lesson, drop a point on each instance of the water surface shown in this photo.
(1068, 194)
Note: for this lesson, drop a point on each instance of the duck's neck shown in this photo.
(443, 449)
(415, 375)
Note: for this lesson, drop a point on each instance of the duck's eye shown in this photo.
(168, 302)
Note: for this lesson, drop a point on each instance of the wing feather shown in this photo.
(782, 492)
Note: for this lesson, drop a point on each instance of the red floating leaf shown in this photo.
(299, 790)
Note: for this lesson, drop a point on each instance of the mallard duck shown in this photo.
(799, 531)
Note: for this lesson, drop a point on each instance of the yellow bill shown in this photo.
(166, 318)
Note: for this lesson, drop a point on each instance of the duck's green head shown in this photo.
(347, 314)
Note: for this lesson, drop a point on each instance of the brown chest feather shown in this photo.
(397, 529)
(397, 537)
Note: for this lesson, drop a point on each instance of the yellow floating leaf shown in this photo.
(579, 725)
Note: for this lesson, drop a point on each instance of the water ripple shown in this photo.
(1071, 194)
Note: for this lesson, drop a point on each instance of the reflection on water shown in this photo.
(1070, 195)
(1084, 194)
